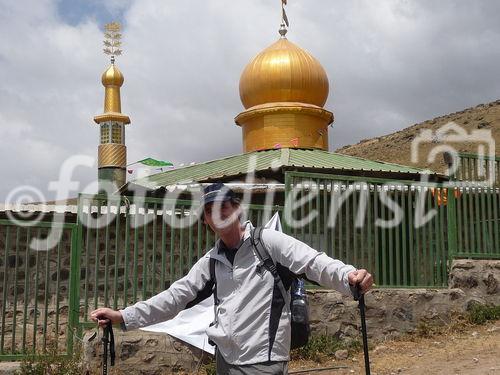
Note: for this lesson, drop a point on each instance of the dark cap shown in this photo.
(217, 192)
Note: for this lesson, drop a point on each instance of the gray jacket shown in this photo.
(252, 321)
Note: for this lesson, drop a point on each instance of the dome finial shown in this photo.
(112, 41)
(284, 20)
(283, 30)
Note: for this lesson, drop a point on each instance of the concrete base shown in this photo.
(9, 368)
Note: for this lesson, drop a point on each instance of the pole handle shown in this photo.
(357, 293)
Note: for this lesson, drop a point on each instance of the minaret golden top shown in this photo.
(112, 40)
(112, 78)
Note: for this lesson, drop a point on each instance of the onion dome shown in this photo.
(112, 77)
(283, 90)
(283, 72)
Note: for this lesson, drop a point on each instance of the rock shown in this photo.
(128, 350)
(341, 354)
(471, 302)
(131, 340)
(375, 312)
(463, 264)
(475, 360)
(491, 284)
(464, 281)
(403, 313)
(152, 342)
(474, 334)
(456, 294)
(428, 295)
(148, 357)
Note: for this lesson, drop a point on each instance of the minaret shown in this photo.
(283, 90)
(112, 152)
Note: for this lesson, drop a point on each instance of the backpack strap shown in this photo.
(214, 279)
(214, 291)
(267, 261)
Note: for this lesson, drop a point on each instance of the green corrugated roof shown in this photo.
(266, 160)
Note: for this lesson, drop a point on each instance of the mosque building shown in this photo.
(284, 128)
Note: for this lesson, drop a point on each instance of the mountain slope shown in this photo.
(396, 147)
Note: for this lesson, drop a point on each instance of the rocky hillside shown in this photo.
(396, 147)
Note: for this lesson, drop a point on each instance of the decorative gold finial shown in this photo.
(112, 41)
(284, 19)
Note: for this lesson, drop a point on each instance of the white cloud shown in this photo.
(391, 63)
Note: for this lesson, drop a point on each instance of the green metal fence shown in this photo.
(133, 255)
(477, 216)
(351, 222)
(38, 309)
(472, 167)
(122, 250)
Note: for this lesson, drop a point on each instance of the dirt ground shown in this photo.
(473, 351)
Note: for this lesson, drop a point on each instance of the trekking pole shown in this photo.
(108, 338)
(358, 296)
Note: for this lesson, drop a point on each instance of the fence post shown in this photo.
(452, 222)
(74, 327)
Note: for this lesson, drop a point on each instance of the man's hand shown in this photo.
(104, 315)
(361, 278)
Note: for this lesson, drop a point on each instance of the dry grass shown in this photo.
(460, 347)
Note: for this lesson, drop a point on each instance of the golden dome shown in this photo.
(112, 77)
(283, 72)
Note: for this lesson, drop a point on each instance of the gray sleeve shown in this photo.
(167, 304)
(303, 259)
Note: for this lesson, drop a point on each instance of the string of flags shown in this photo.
(148, 167)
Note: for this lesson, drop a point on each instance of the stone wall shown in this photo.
(389, 312)
(479, 279)
(145, 353)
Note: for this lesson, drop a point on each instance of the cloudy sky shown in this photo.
(391, 63)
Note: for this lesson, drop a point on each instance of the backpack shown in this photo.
(298, 305)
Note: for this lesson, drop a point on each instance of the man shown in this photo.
(252, 320)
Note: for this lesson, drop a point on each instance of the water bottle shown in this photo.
(299, 303)
(300, 316)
